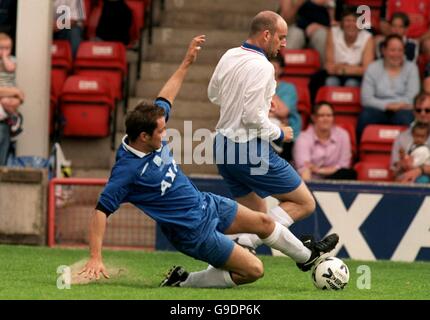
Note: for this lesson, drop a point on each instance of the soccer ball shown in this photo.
(330, 273)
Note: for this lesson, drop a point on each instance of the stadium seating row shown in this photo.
(86, 99)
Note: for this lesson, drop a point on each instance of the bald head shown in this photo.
(265, 20)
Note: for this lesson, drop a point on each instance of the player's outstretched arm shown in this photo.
(173, 85)
(95, 265)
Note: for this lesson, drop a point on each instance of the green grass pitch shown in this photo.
(30, 273)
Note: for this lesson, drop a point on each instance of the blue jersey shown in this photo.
(155, 184)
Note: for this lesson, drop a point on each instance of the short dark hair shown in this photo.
(403, 16)
(318, 106)
(421, 125)
(349, 11)
(263, 21)
(420, 98)
(143, 118)
(279, 59)
(392, 37)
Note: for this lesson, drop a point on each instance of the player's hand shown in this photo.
(288, 134)
(193, 49)
(410, 175)
(93, 269)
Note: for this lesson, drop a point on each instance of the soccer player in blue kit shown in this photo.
(146, 175)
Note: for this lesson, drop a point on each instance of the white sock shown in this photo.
(252, 240)
(280, 215)
(209, 278)
(283, 240)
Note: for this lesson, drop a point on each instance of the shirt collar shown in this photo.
(127, 147)
(251, 47)
(317, 140)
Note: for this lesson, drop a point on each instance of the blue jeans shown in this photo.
(4, 142)
(371, 115)
(73, 35)
(334, 81)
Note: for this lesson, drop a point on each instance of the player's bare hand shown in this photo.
(93, 269)
(194, 48)
(288, 134)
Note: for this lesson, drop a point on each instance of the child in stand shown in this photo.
(417, 155)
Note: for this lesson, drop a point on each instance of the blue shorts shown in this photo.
(209, 243)
(253, 167)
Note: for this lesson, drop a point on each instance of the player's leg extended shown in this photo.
(298, 204)
(253, 201)
(270, 232)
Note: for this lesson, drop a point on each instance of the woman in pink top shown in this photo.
(323, 151)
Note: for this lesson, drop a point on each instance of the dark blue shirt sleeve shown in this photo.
(116, 190)
(165, 104)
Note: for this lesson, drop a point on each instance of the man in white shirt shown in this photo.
(243, 85)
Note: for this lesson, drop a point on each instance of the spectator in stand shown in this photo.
(399, 24)
(313, 21)
(349, 51)
(288, 10)
(8, 9)
(417, 155)
(115, 22)
(9, 103)
(418, 12)
(7, 94)
(405, 141)
(426, 85)
(284, 107)
(323, 151)
(427, 73)
(388, 88)
(77, 18)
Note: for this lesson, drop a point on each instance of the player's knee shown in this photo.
(309, 207)
(255, 271)
(267, 223)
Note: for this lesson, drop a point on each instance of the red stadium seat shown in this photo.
(352, 137)
(93, 20)
(345, 102)
(61, 55)
(105, 59)
(303, 104)
(373, 171)
(422, 63)
(138, 10)
(377, 141)
(301, 63)
(303, 98)
(86, 104)
(370, 3)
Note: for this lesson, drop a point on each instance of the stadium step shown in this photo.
(213, 6)
(220, 19)
(195, 91)
(182, 37)
(163, 71)
(175, 54)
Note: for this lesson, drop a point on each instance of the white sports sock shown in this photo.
(209, 278)
(280, 215)
(252, 240)
(283, 240)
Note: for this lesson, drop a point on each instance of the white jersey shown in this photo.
(243, 85)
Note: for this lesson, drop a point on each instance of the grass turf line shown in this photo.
(30, 273)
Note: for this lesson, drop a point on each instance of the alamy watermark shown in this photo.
(364, 281)
(203, 146)
(64, 280)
